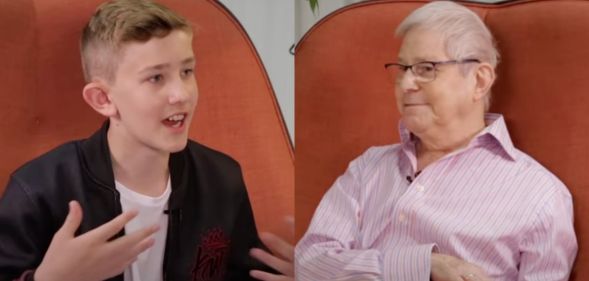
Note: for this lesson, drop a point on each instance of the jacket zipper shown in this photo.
(171, 216)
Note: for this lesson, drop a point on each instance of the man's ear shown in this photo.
(485, 76)
(96, 95)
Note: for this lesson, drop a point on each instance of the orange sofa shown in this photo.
(41, 104)
(345, 101)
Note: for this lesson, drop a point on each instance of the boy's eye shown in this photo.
(188, 71)
(156, 78)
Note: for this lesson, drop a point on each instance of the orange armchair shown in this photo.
(345, 102)
(41, 103)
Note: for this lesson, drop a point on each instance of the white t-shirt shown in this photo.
(149, 264)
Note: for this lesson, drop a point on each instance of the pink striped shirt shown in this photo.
(489, 204)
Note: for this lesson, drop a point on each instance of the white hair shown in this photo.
(464, 33)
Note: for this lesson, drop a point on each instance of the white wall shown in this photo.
(270, 25)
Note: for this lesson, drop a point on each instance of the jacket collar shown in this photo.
(96, 155)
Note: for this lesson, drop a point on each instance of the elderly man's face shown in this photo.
(436, 104)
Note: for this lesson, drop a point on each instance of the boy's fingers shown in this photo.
(139, 248)
(109, 229)
(278, 246)
(131, 243)
(72, 221)
(281, 266)
(265, 276)
(290, 221)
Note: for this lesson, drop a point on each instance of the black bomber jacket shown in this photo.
(210, 229)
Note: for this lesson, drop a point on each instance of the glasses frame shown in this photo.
(405, 67)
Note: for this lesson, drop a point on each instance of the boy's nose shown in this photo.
(179, 93)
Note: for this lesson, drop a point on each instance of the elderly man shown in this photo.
(455, 200)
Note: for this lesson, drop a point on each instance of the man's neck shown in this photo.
(437, 143)
(137, 167)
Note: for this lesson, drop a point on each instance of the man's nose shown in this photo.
(407, 80)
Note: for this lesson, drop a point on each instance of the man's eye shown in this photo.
(156, 78)
(424, 68)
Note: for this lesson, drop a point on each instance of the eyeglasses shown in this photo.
(424, 71)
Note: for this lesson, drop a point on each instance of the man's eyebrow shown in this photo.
(417, 60)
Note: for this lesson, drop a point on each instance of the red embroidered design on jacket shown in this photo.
(211, 256)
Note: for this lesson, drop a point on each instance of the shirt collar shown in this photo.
(496, 131)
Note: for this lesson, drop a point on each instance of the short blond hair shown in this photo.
(120, 21)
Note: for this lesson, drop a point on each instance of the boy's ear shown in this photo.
(96, 95)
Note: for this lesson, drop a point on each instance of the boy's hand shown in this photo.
(91, 256)
(449, 268)
(282, 260)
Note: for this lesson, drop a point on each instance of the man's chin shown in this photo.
(415, 124)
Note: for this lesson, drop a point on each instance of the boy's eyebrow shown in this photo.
(188, 60)
(166, 65)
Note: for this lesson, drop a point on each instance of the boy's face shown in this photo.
(155, 92)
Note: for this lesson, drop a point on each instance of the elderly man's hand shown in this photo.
(282, 260)
(449, 268)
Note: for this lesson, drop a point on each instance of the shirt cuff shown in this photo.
(408, 263)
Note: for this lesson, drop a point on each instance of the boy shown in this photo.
(140, 201)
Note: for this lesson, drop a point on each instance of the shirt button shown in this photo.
(402, 217)
(419, 187)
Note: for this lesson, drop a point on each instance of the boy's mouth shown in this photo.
(175, 121)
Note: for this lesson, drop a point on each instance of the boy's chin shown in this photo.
(177, 147)
(172, 147)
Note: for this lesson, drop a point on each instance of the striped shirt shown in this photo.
(488, 204)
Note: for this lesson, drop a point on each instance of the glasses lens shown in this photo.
(424, 71)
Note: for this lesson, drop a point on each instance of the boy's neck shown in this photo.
(137, 167)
